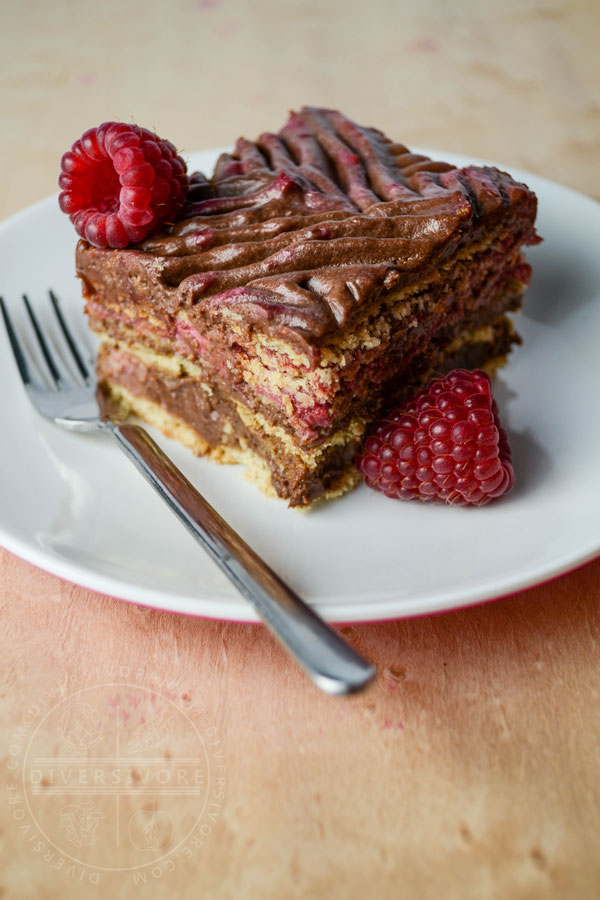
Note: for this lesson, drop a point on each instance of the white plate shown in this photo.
(75, 506)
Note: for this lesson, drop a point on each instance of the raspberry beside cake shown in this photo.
(320, 274)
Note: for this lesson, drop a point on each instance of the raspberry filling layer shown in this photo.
(312, 399)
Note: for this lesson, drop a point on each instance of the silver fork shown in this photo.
(70, 402)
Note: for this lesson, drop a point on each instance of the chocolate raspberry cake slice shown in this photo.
(320, 274)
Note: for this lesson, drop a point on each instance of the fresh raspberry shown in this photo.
(119, 183)
(446, 443)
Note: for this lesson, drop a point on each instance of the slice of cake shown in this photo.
(319, 274)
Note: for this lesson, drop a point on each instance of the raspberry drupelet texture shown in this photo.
(445, 444)
(119, 183)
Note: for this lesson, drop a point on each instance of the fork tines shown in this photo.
(68, 336)
(17, 349)
(42, 342)
(25, 360)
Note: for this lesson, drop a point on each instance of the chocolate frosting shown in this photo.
(298, 229)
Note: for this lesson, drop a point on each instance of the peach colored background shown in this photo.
(470, 769)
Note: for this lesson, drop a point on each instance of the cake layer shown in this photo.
(197, 413)
(312, 404)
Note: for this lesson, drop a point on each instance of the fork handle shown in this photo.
(333, 665)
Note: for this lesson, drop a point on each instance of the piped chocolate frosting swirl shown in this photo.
(298, 228)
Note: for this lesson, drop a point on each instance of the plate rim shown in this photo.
(108, 586)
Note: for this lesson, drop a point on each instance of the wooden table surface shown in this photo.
(471, 767)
